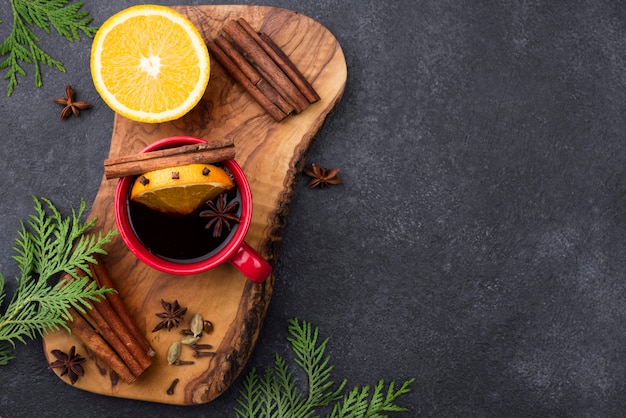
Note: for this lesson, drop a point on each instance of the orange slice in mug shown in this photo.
(180, 190)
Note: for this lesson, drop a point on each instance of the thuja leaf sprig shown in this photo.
(47, 245)
(22, 44)
(357, 403)
(275, 394)
(311, 357)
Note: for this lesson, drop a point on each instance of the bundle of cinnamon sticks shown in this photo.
(261, 67)
(110, 332)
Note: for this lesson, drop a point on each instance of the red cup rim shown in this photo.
(142, 253)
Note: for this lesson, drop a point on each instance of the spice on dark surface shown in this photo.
(171, 316)
(70, 105)
(220, 215)
(322, 177)
(69, 363)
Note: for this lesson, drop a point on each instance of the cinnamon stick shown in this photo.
(240, 61)
(287, 66)
(272, 109)
(205, 153)
(102, 277)
(264, 63)
(102, 327)
(283, 62)
(118, 328)
(84, 331)
(108, 324)
(253, 75)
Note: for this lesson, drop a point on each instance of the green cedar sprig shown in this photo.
(22, 44)
(48, 245)
(275, 394)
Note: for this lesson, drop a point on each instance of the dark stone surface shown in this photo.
(477, 244)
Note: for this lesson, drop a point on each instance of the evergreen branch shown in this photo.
(47, 245)
(5, 354)
(2, 293)
(271, 394)
(311, 358)
(289, 399)
(276, 394)
(250, 397)
(22, 44)
(356, 404)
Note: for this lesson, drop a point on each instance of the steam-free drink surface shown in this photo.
(178, 238)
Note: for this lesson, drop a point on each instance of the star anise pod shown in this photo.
(220, 215)
(171, 316)
(321, 176)
(69, 103)
(69, 364)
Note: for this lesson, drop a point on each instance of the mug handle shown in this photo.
(248, 261)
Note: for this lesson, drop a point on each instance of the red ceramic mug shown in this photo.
(235, 250)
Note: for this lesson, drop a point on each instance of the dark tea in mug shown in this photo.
(188, 238)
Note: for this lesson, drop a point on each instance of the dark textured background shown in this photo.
(477, 243)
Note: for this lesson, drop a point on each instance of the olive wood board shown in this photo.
(272, 155)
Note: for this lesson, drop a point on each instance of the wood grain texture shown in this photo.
(272, 156)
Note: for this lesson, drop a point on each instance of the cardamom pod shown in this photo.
(196, 325)
(173, 353)
(189, 339)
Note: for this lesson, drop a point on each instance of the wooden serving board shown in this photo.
(272, 155)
